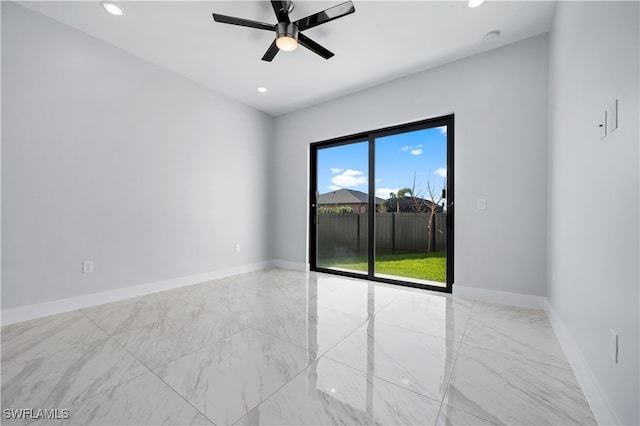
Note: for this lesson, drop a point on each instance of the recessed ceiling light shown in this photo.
(492, 35)
(475, 3)
(112, 8)
(261, 89)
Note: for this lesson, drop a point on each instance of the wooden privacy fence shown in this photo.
(345, 235)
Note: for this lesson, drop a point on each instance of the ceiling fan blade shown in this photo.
(313, 46)
(243, 22)
(325, 16)
(271, 52)
(281, 9)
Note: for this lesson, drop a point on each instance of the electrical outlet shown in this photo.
(237, 248)
(613, 345)
(87, 266)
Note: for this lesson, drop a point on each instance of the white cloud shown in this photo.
(335, 170)
(443, 129)
(333, 187)
(384, 192)
(413, 149)
(349, 178)
(442, 172)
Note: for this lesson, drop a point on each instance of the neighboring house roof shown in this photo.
(409, 204)
(346, 196)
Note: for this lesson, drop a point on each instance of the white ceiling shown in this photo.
(381, 41)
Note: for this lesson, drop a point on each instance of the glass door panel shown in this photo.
(410, 220)
(342, 205)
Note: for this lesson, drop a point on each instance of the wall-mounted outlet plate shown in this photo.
(87, 266)
(237, 248)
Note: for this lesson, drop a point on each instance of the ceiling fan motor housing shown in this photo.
(287, 29)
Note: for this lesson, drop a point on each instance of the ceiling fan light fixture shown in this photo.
(287, 36)
(112, 8)
(287, 43)
(475, 3)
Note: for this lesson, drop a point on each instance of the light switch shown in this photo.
(612, 117)
(603, 126)
(482, 204)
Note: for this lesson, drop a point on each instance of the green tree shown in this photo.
(402, 193)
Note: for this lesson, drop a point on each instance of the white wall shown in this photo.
(594, 189)
(110, 158)
(500, 103)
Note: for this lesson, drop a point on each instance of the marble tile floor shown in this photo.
(279, 347)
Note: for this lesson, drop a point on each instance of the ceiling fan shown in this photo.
(289, 34)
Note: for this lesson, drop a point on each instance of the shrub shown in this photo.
(335, 210)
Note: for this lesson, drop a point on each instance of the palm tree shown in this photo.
(402, 193)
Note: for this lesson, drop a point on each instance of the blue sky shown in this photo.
(399, 158)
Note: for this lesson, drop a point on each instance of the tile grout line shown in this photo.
(110, 337)
(315, 361)
(276, 391)
(510, 354)
(129, 329)
(217, 342)
(150, 370)
(378, 377)
(383, 380)
(455, 361)
(453, 366)
(183, 398)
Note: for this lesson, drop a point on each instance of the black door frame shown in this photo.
(371, 136)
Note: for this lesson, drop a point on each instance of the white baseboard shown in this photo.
(294, 266)
(501, 297)
(597, 400)
(24, 313)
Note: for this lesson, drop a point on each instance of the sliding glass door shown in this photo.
(382, 205)
(341, 209)
(411, 177)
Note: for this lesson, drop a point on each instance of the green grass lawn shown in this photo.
(423, 266)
